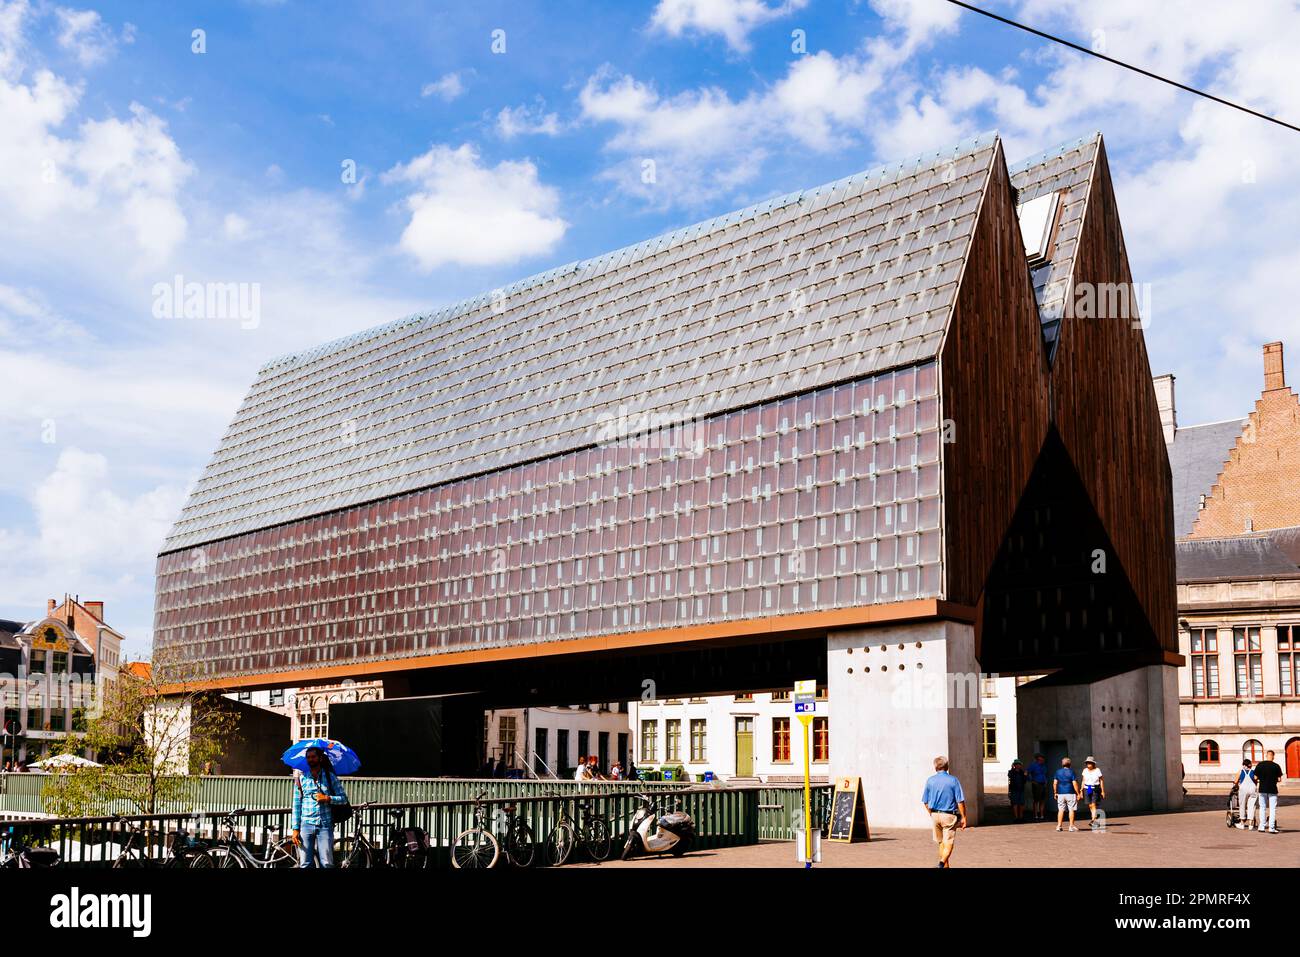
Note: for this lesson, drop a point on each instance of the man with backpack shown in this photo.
(317, 793)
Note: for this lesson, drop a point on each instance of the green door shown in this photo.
(744, 747)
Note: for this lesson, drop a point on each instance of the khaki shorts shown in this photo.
(1067, 801)
(945, 827)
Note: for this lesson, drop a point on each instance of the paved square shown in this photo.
(1194, 837)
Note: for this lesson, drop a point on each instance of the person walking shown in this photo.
(1094, 789)
(1037, 772)
(317, 791)
(946, 804)
(1247, 795)
(1066, 788)
(1016, 779)
(1267, 774)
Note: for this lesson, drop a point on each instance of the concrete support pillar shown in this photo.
(1129, 722)
(902, 695)
(1165, 741)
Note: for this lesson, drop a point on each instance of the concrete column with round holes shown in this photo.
(900, 696)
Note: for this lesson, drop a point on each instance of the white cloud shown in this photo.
(469, 214)
(112, 182)
(704, 143)
(448, 87)
(527, 121)
(83, 521)
(85, 35)
(235, 227)
(733, 20)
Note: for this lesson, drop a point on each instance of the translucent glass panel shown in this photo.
(826, 499)
(785, 297)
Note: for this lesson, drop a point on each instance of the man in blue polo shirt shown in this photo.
(1037, 772)
(944, 800)
(1065, 785)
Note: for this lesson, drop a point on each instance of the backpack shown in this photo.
(339, 813)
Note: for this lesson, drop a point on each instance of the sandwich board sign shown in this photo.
(848, 813)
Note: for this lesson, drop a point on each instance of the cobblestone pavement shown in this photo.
(1194, 837)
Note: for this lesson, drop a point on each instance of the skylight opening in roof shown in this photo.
(1037, 218)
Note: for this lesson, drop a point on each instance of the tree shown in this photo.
(152, 730)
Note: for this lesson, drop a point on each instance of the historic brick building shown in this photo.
(1237, 504)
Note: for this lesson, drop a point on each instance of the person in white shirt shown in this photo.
(1247, 796)
(582, 772)
(1094, 788)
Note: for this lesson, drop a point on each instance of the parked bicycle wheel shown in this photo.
(475, 847)
(223, 858)
(358, 856)
(559, 844)
(202, 860)
(598, 839)
(521, 846)
(284, 854)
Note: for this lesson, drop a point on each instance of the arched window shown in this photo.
(1209, 752)
(1253, 750)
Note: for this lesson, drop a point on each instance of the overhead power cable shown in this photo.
(1128, 66)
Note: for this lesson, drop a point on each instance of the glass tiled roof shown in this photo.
(812, 288)
(1067, 171)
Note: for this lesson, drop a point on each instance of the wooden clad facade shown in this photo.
(1001, 397)
(1104, 407)
(994, 385)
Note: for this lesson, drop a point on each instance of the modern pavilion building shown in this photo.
(883, 433)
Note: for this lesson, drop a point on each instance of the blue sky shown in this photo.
(128, 159)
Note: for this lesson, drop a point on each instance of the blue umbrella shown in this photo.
(343, 759)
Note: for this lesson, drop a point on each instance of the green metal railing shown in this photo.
(725, 817)
(22, 793)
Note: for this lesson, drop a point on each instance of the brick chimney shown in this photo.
(49, 608)
(1165, 403)
(1274, 374)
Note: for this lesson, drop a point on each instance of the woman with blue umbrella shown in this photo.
(318, 796)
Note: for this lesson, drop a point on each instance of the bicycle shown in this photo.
(16, 853)
(476, 846)
(408, 847)
(135, 850)
(590, 828)
(181, 848)
(230, 851)
(518, 841)
(362, 852)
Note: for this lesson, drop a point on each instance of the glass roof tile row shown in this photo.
(1068, 170)
(813, 288)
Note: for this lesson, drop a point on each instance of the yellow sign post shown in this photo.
(805, 704)
(806, 721)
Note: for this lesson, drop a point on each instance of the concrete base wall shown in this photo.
(1128, 722)
(904, 694)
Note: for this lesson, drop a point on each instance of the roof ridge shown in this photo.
(1202, 425)
(1045, 155)
(971, 144)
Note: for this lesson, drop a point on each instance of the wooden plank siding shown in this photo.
(1104, 407)
(993, 369)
